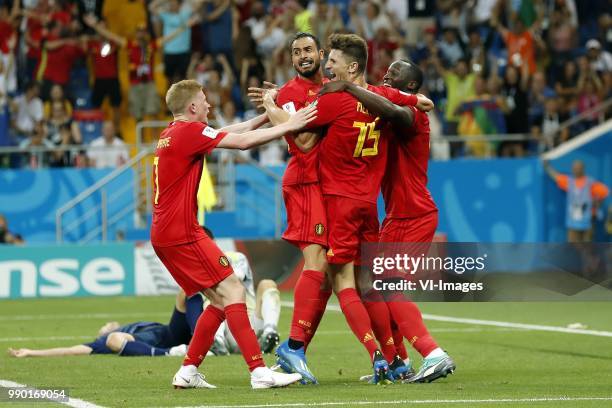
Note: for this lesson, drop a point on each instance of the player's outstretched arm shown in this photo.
(305, 141)
(375, 104)
(248, 125)
(77, 350)
(254, 138)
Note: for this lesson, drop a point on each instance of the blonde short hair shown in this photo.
(180, 94)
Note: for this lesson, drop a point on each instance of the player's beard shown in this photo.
(310, 72)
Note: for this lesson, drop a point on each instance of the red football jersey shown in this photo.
(352, 154)
(176, 176)
(104, 63)
(404, 186)
(293, 96)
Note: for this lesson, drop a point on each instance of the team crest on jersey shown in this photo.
(224, 261)
(319, 229)
(210, 132)
(289, 107)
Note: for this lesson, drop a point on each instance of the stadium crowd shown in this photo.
(493, 67)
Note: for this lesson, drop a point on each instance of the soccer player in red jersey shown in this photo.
(411, 213)
(193, 259)
(306, 219)
(352, 160)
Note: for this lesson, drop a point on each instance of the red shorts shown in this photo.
(351, 223)
(418, 229)
(195, 266)
(306, 221)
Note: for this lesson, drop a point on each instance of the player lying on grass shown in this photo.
(134, 339)
(411, 213)
(192, 258)
(263, 307)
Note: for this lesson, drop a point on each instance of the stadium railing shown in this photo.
(100, 187)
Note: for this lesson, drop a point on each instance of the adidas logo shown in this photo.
(390, 342)
(330, 252)
(368, 337)
(412, 340)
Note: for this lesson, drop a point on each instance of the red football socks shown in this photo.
(239, 325)
(357, 318)
(203, 335)
(398, 339)
(410, 323)
(380, 319)
(305, 304)
(324, 295)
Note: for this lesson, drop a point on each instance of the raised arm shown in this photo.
(550, 170)
(248, 125)
(254, 138)
(93, 22)
(190, 23)
(216, 13)
(376, 104)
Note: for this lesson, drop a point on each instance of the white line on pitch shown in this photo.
(72, 402)
(80, 316)
(407, 402)
(10, 339)
(495, 323)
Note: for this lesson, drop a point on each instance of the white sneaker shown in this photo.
(189, 377)
(178, 351)
(263, 377)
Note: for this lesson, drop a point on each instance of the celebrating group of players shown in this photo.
(348, 140)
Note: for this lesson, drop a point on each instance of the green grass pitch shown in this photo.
(493, 363)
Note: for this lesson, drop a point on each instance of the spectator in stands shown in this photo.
(59, 53)
(590, 95)
(220, 82)
(143, 96)
(421, 15)
(450, 47)
(516, 86)
(327, 20)
(60, 119)
(27, 111)
(107, 150)
(219, 28)
(272, 154)
(584, 197)
(7, 85)
(538, 92)
(520, 42)
(459, 88)
(104, 54)
(480, 115)
(176, 51)
(69, 156)
(6, 236)
(600, 60)
(8, 41)
(567, 86)
(57, 95)
(38, 138)
(547, 127)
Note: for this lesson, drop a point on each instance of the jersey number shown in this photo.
(366, 131)
(156, 165)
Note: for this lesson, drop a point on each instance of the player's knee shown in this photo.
(266, 284)
(231, 290)
(315, 258)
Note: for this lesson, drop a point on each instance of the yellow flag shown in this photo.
(206, 194)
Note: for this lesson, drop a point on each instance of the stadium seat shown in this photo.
(90, 123)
